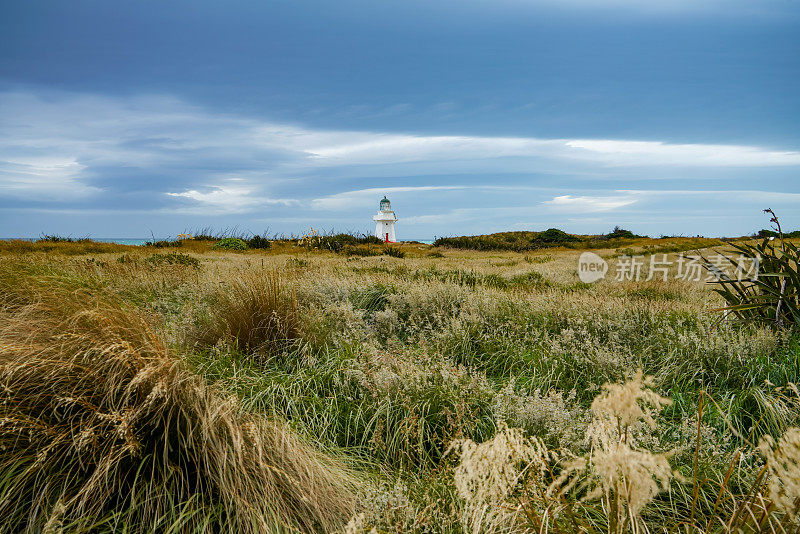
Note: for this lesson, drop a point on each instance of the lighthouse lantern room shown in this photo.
(384, 222)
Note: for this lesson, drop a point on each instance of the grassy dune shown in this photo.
(431, 390)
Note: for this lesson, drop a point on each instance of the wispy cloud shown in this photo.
(630, 198)
(392, 149)
(366, 197)
(587, 204)
(656, 153)
(728, 8)
(161, 154)
(43, 177)
(226, 199)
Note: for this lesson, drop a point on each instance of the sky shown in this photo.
(140, 118)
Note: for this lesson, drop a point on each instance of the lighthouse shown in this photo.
(384, 222)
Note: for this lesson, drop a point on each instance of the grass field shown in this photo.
(431, 389)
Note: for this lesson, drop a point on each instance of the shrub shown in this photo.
(259, 242)
(204, 237)
(230, 243)
(53, 238)
(619, 233)
(104, 430)
(772, 233)
(394, 252)
(164, 244)
(255, 314)
(336, 242)
(554, 235)
(210, 234)
(516, 241)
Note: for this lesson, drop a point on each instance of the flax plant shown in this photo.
(772, 293)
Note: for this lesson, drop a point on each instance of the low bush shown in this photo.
(164, 243)
(620, 233)
(553, 236)
(259, 242)
(204, 237)
(53, 238)
(394, 252)
(516, 241)
(336, 242)
(230, 243)
(772, 233)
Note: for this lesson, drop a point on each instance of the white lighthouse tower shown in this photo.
(384, 222)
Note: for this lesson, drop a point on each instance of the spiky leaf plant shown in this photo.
(772, 293)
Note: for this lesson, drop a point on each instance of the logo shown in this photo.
(591, 267)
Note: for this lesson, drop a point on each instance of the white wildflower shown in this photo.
(783, 462)
(490, 472)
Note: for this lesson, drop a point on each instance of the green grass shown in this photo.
(386, 361)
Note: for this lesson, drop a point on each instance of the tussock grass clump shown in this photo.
(102, 428)
(254, 314)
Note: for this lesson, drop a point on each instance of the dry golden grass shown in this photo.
(252, 312)
(100, 420)
(399, 357)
